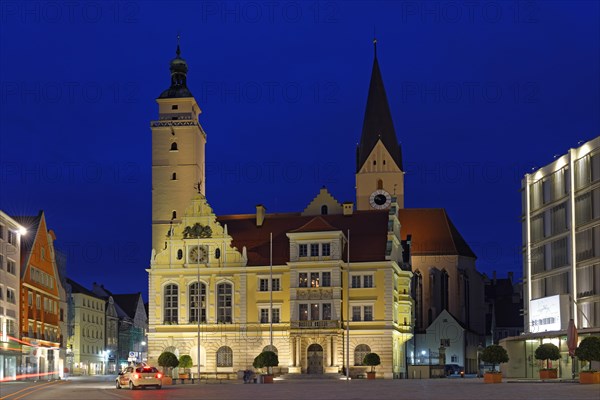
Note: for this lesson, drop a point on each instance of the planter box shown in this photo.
(370, 375)
(587, 377)
(491, 377)
(167, 380)
(267, 379)
(184, 376)
(548, 374)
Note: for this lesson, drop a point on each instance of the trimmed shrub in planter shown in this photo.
(589, 350)
(547, 352)
(168, 361)
(266, 359)
(185, 362)
(495, 355)
(373, 360)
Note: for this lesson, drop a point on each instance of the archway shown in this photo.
(314, 359)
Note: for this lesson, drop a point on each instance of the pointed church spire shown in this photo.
(377, 123)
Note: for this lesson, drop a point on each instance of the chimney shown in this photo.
(510, 276)
(260, 214)
(348, 207)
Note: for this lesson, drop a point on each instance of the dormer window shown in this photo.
(323, 210)
(174, 146)
(303, 250)
(174, 176)
(174, 107)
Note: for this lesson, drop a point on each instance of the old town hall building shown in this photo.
(321, 287)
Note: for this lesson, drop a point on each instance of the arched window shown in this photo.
(224, 303)
(171, 303)
(179, 254)
(374, 162)
(444, 295)
(174, 215)
(360, 352)
(174, 176)
(225, 357)
(174, 146)
(323, 210)
(270, 348)
(418, 296)
(197, 301)
(379, 184)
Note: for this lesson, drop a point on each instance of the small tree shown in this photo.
(266, 359)
(547, 351)
(589, 350)
(373, 360)
(167, 360)
(185, 362)
(495, 355)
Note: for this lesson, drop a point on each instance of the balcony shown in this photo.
(315, 324)
(321, 293)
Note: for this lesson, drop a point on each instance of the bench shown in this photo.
(216, 376)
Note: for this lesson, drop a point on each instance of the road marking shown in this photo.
(30, 390)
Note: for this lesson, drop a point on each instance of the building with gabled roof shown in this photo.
(128, 318)
(44, 306)
(322, 287)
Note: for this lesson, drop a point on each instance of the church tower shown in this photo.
(379, 171)
(178, 142)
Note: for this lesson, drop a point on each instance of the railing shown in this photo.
(314, 293)
(315, 324)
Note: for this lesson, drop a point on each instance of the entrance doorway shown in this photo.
(315, 359)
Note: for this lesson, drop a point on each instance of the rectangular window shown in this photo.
(10, 296)
(264, 315)
(263, 285)
(275, 316)
(11, 267)
(303, 250)
(368, 281)
(276, 287)
(1, 261)
(326, 249)
(302, 279)
(303, 312)
(314, 312)
(1, 292)
(30, 299)
(355, 313)
(326, 279)
(314, 279)
(1, 231)
(12, 237)
(355, 281)
(327, 311)
(444, 342)
(314, 249)
(11, 327)
(38, 302)
(368, 313)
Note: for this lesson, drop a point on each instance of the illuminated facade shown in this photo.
(10, 299)
(43, 301)
(561, 246)
(87, 344)
(210, 279)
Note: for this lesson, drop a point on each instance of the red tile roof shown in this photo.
(432, 232)
(317, 224)
(368, 234)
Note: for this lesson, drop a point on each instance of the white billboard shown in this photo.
(544, 314)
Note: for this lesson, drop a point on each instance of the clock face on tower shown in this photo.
(380, 199)
(197, 254)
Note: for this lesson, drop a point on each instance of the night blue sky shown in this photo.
(479, 94)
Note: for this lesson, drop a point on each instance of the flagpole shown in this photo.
(348, 312)
(271, 289)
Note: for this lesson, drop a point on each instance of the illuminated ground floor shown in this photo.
(229, 349)
(521, 353)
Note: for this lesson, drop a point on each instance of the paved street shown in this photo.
(447, 389)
